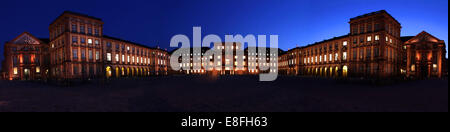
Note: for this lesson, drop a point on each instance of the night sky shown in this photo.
(297, 22)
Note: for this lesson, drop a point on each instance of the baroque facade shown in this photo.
(373, 48)
(77, 49)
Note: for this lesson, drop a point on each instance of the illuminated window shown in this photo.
(320, 59)
(38, 69)
(89, 41)
(331, 57)
(325, 58)
(123, 58)
(97, 42)
(336, 57)
(344, 56)
(435, 67)
(413, 68)
(108, 56)
(377, 37)
(387, 39)
(344, 43)
(15, 70)
(97, 55)
(369, 38)
(117, 57)
(128, 58)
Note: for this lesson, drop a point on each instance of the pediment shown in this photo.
(26, 38)
(423, 37)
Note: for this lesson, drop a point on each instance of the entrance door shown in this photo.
(26, 73)
(423, 67)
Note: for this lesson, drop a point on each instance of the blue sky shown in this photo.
(297, 22)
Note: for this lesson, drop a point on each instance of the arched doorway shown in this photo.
(128, 72)
(344, 71)
(108, 72)
(117, 72)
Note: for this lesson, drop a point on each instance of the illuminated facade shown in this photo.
(425, 56)
(26, 58)
(77, 49)
(373, 48)
(238, 61)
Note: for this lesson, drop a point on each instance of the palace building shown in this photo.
(227, 58)
(77, 49)
(373, 48)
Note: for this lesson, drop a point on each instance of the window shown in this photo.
(325, 58)
(369, 38)
(74, 39)
(96, 31)
(75, 70)
(435, 67)
(74, 27)
(354, 54)
(38, 69)
(97, 55)
(117, 57)
(128, 48)
(344, 43)
(361, 53)
(82, 29)
(320, 59)
(331, 58)
(36, 60)
(108, 56)
(128, 58)
(336, 56)
(15, 71)
(83, 54)
(90, 54)
(413, 68)
(377, 37)
(123, 58)
(108, 44)
(132, 59)
(97, 42)
(82, 40)
(387, 39)
(344, 56)
(75, 53)
(89, 30)
(15, 60)
(376, 52)
(89, 41)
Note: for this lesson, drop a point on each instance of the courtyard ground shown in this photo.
(225, 94)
